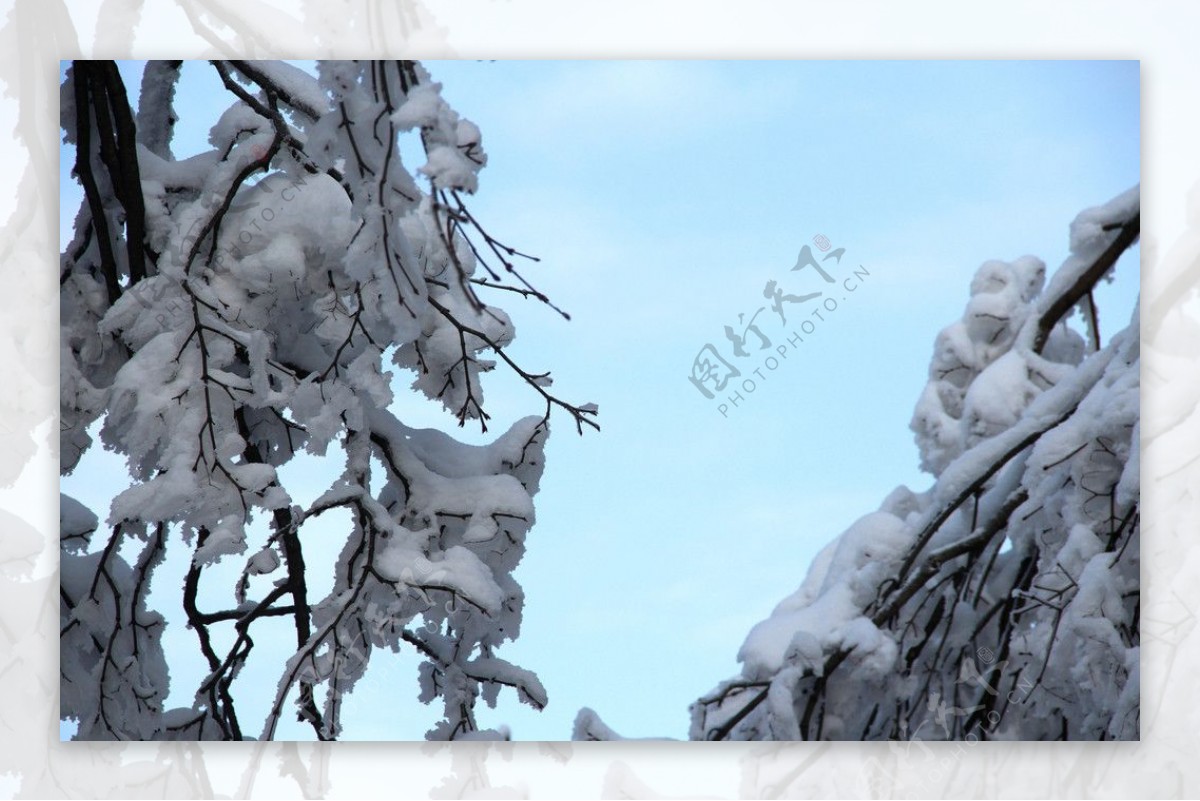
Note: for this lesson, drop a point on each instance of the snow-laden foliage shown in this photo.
(225, 312)
(1003, 602)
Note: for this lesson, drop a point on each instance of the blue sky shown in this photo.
(661, 197)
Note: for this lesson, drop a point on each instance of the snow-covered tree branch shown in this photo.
(1003, 602)
(225, 312)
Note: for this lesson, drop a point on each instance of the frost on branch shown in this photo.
(224, 312)
(1004, 602)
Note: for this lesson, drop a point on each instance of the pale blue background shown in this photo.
(661, 196)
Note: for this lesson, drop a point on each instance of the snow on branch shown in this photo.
(1098, 238)
(224, 312)
(1003, 603)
